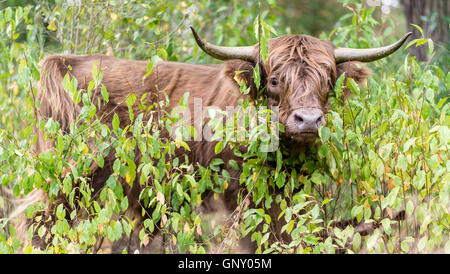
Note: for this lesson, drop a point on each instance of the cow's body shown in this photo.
(297, 76)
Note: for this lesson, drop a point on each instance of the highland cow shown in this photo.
(297, 76)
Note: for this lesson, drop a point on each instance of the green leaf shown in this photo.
(441, 102)
(35, 72)
(353, 86)
(29, 211)
(323, 151)
(290, 226)
(357, 212)
(356, 241)
(417, 42)
(191, 180)
(409, 208)
(130, 101)
(183, 144)
(444, 135)
(267, 219)
(326, 201)
(324, 134)
(279, 160)
(269, 28)
(338, 86)
(151, 64)
(409, 143)
(430, 46)
(386, 225)
(124, 204)
(422, 243)
(281, 179)
(447, 247)
(148, 224)
(234, 165)
(100, 161)
(219, 147)
(41, 231)
(95, 71)
(105, 94)
(390, 198)
(116, 166)
(115, 123)
(418, 28)
(402, 162)
(117, 230)
(405, 244)
(318, 178)
(419, 179)
(380, 169)
(256, 77)
(216, 162)
(179, 189)
(372, 240)
(60, 212)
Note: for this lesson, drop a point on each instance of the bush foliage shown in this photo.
(377, 181)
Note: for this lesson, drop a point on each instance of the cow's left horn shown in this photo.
(224, 53)
(367, 55)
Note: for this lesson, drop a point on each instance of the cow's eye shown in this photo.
(330, 84)
(273, 81)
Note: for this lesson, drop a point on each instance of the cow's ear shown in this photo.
(241, 71)
(356, 70)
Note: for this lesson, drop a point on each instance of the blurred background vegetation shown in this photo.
(393, 155)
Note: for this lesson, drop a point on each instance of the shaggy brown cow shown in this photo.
(297, 76)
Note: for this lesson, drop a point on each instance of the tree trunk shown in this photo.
(430, 16)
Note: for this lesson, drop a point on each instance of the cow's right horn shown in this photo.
(225, 53)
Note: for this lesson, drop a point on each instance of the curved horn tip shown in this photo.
(407, 35)
(192, 29)
(403, 39)
(194, 32)
(198, 40)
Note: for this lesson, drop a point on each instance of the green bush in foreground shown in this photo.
(377, 181)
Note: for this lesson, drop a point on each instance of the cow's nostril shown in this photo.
(319, 121)
(299, 118)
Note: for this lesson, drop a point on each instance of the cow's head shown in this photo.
(299, 72)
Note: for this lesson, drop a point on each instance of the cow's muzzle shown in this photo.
(303, 124)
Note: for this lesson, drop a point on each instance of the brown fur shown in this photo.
(305, 66)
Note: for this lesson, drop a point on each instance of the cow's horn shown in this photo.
(367, 55)
(224, 53)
